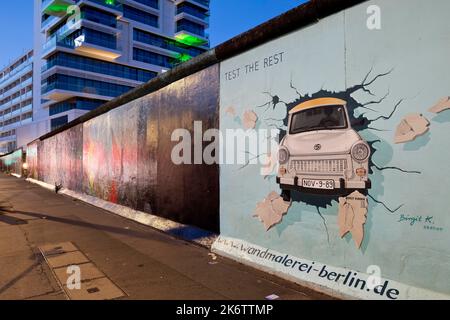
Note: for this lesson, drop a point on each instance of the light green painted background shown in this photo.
(334, 54)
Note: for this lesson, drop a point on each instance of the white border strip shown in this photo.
(144, 218)
(247, 253)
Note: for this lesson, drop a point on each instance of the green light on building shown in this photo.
(183, 57)
(110, 2)
(189, 40)
(57, 8)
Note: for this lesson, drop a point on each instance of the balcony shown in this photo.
(7, 139)
(190, 39)
(193, 13)
(191, 33)
(83, 44)
(18, 87)
(26, 108)
(53, 93)
(115, 5)
(12, 76)
(194, 18)
(57, 8)
(201, 3)
(49, 22)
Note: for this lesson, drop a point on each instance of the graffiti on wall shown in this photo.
(124, 155)
(12, 162)
(357, 129)
(322, 157)
(110, 156)
(60, 159)
(32, 160)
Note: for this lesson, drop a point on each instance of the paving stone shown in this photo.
(67, 259)
(88, 271)
(57, 248)
(99, 289)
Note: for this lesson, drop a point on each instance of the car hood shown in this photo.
(330, 141)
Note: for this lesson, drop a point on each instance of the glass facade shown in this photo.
(90, 36)
(74, 103)
(165, 43)
(190, 26)
(203, 2)
(99, 66)
(140, 16)
(150, 3)
(99, 16)
(71, 83)
(153, 58)
(58, 122)
(99, 38)
(193, 10)
(111, 4)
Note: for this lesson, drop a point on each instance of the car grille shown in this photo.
(319, 166)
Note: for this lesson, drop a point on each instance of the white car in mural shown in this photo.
(321, 152)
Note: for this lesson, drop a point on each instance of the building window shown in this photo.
(195, 28)
(150, 3)
(165, 43)
(193, 10)
(70, 83)
(99, 16)
(99, 66)
(152, 58)
(76, 103)
(140, 16)
(58, 122)
(100, 38)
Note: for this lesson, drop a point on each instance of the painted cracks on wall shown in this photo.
(263, 115)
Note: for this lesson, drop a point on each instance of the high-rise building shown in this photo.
(91, 51)
(16, 100)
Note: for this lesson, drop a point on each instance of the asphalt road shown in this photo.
(143, 262)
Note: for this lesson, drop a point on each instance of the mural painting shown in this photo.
(360, 134)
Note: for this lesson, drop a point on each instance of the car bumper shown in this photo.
(341, 186)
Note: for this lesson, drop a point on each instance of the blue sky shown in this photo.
(228, 19)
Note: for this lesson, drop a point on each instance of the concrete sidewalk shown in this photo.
(144, 263)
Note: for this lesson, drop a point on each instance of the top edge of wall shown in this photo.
(292, 20)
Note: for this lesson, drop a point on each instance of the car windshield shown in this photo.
(320, 118)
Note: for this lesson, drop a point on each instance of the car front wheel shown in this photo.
(286, 195)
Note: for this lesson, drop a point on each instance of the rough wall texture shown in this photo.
(124, 156)
(32, 160)
(12, 162)
(59, 159)
(187, 192)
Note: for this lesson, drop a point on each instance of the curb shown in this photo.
(185, 232)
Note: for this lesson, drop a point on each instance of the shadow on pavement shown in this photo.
(80, 223)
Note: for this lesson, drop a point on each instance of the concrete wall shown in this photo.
(384, 75)
(124, 156)
(12, 162)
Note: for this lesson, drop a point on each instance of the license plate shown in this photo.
(318, 184)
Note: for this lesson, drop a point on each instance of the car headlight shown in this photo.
(283, 155)
(360, 151)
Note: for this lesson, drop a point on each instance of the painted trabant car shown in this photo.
(321, 152)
